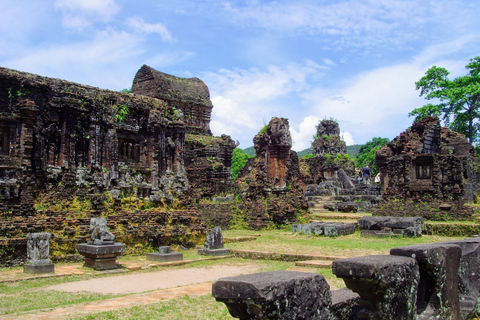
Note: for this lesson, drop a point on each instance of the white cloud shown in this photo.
(141, 26)
(246, 99)
(90, 62)
(347, 137)
(303, 137)
(352, 22)
(78, 14)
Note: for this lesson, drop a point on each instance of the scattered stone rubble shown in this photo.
(389, 226)
(430, 281)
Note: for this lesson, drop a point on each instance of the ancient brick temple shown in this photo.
(329, 152)
(63, 137)
(428, 170)
(327, 139)
(61, 140)
(207, 158)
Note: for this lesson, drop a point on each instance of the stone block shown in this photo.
(164, 249)
(387, 285)
(411, 226)
(165, 257)
(275, 295)
(469, 276)
(438, 264)
(345, 304)
(330, 229)
(347, 207)
(40, 268)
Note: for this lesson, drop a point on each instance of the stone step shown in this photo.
(314, 263)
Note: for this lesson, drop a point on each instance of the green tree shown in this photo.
(239, 159)
(366, 154)
(459, 99)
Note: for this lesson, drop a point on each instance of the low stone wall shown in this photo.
(428, 281)
(139, 230)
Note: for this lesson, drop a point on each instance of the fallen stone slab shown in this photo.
(387, 285)
(329, 229)
(275, 295)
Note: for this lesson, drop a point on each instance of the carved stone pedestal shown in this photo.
(101, 257)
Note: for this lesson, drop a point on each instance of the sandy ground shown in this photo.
(143, 282)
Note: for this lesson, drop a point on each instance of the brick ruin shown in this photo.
(428, 170)
(207, 158)
(328, 150)
(269, 183)
(62, 142)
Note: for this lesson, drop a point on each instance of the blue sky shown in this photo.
(355, 61)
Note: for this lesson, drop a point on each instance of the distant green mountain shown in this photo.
(303, 152)
(250, 151)
(353, 150)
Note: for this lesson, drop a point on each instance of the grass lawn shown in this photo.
(284, 241)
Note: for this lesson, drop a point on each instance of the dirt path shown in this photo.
(166, 285)
(143, 282)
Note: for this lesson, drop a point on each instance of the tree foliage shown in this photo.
(366, 154)
(239, 159)
(459, 99)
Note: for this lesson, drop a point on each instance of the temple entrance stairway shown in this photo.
(342, 205)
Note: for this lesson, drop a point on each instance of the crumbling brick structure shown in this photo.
(68, 138)
(61, 140)
(328, 150)
(207, 158)
(270, 182)
(428, 170)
